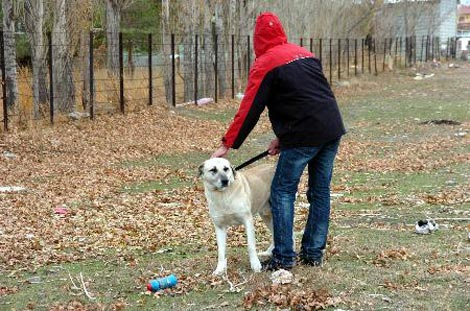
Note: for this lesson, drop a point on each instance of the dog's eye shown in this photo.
(225, 169)
(213, 170)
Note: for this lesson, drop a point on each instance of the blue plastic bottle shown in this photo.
(162, 283)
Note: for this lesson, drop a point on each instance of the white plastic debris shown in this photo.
(8, 155)
(199, 102)
(426, 226)
(76, 115)
(239, 96)
(282, 276)
(12, 189)
(204, 101)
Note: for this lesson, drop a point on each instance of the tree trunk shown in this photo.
(166, 53)
(190, 14)
(113, 20)
(85, 67)
(219, 30)
(208, 51)
(64, 89)
(10, 52)
(34, 24)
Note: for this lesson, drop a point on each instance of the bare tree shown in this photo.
(9, 42)
(189, 16)
(64, 88)
(113, 21)
(34, 17)
(219, 31)
(166, 53)
(84, 23)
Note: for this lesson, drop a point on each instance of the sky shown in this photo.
(466, 2)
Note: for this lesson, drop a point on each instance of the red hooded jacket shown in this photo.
(288, 80)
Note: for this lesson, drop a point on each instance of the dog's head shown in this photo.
(217, 174)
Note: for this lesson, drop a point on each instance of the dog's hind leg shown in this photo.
(268, 221)
(221, 235)
(250, 236)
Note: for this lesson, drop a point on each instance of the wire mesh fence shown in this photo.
(142, 70)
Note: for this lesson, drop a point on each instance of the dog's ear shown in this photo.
(234, 172)
(200, 170)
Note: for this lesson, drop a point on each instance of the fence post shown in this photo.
(339, 59)
(51, 79)
(121, 75)
(92, 75)
(173, 73)
(362, 53)
(320, 49)
(453, 48)
(433, 40)
(3, 82)
(216, 65)
(347, 56)
(311, 45)
(385, 52)
(233, 66)
(355, 56)
(401, 49)
(196, 39)
(150, 70)
(375, 57)
(406, 51)
(421, 52)
(302, 42)
(331, 61)
(447, 49)
(427, 49)
(396, 50)
(369, 50)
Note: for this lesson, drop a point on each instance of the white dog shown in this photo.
(233, 199)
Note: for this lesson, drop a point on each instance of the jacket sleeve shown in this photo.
(251, 107)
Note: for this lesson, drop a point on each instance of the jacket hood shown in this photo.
(268, 33)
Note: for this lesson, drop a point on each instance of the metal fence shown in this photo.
(187, 68)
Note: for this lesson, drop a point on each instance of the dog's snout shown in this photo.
(224, 182)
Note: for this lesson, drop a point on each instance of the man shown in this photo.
(305, 117)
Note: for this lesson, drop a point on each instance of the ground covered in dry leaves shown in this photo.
(112, 203)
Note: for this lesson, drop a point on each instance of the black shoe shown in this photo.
(271, 265)
(310, 262)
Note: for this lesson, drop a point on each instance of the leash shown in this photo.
(252, 160)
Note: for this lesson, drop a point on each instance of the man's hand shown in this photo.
(273, 148)
(221, 152)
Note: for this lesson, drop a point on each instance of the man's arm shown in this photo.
(251, 107)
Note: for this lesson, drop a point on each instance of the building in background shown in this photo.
(463, 31)
(463, 24)
(430, 24)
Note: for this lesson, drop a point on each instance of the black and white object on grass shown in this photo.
(426, 226)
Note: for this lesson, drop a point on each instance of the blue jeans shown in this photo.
(290, 167)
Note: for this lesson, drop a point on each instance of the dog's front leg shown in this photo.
(221, 235)
(250, 236)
